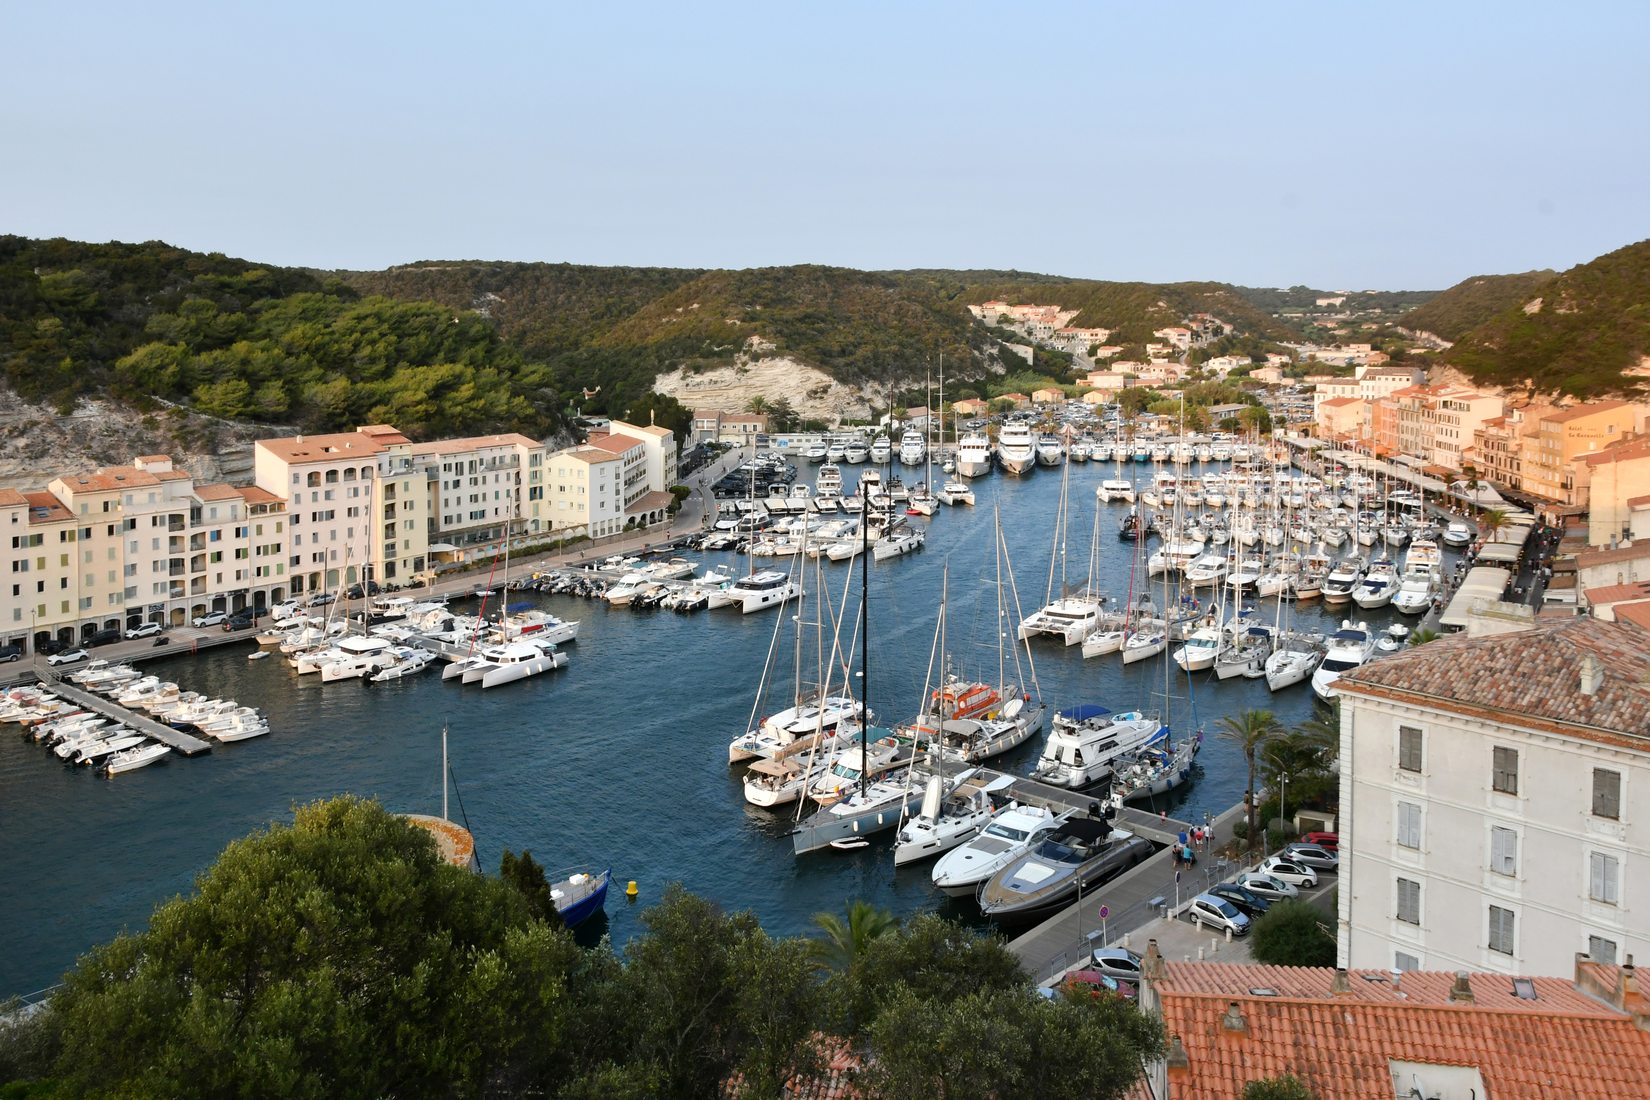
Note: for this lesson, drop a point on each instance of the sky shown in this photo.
(1386, 145)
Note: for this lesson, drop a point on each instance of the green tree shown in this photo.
(1249, 731)
(845, 940)
(1492, 520)
(337, 954)
(527, 876)
(1286, 1087)
(1292, 933)
(933, 958)
(1422, 636)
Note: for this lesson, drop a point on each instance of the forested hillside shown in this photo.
(241, 341)
(1577, 333)
(1466, 305)
(1133, 311)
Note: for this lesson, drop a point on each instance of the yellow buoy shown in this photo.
(630, 890)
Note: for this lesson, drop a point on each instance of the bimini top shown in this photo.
(1083, 712)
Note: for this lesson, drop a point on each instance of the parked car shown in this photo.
(9, 653)
(1118, 962)
(1290, 871)
(67, 657)
(321, 599)
(1096, 984)
(1272, 889)
(211, 618)
(145, 630)
(102, 637)
(1209, 911)
(1332, 841)
(237, 624)
(1248, 902)
(1314, 856)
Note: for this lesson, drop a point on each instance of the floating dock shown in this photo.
(1029, 792)
(160, 731)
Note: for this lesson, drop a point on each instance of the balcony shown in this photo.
(175, 523)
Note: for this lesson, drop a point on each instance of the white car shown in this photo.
(1266, 886)
(211, 618)
(67, 657)
(144, 631)
(1295, 874)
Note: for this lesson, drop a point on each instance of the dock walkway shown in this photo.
(1140, 895)
(160, 731)
(1029, 792)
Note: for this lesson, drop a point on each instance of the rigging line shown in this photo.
(463, 814)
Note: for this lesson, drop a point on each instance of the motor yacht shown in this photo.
(1342, 580)
(913, 448)
(1458, 535)
(1349, 647)
(1081, 854)
(1016, 448)
(947, 820)
(973, 455)
(1377, 588)
(1009, 834)
(1050, 451)
(1086, 742)
(1201, 648)
(762, 590)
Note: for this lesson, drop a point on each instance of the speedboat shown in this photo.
(1349, 647)
(1009, 834)
(579, 896)
(1086, 742)
(1458, 535)
(1201, 648)
(1081, 854)
(134, 758)
(1338, 586)
(1393, 639)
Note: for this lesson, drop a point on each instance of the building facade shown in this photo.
(1488, 786)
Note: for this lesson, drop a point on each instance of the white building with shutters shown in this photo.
(1490, 793)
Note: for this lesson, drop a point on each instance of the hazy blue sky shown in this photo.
(1371, 145)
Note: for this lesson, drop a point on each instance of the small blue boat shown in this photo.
(579, 895)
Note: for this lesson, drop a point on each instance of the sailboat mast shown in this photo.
(444, 772)
(864, 641)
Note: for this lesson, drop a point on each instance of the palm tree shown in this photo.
(1493, 520)
(1250, 731)
(846, 940)
(1423, 636)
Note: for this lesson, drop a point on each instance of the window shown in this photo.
(1409, 901)
(1501, 930)
(1603, 878)
(1601, 950)
(1505, 771)
(1403, 961)
(1606, 793)
(1409, 825)
(1503, 851)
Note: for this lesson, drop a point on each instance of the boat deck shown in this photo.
(159, 731)
(1029, 792)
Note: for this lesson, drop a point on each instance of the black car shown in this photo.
(103, 637)
(49, 647)
(9, 653)
(1250, 903)
(237, 624)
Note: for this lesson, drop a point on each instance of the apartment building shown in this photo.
(333, 514)
(1458, 413)
(1340, 418)
(1489, 819)
(660, 445)
(1560, 437)
(479, 485)
(1611, 482)
(587, 490)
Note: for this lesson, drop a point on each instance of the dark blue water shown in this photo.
(619, 759)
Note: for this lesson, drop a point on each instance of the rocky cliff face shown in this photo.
(37, 443)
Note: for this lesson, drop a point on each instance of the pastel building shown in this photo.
(329, 482)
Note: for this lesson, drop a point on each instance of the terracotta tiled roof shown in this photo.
(1576, 412)
(1615, 593)
(11, 498)
(327, 448)
(472, 443)
(1638, 502)
(614, 444)
(590, 455)
(648, 502)
(1337, 402)
(46, 508)
(217, 492)
(1636, 613)
(110, 479)
(1561, 1044)
(1610, 557)
(1528, 677)
(253, 494)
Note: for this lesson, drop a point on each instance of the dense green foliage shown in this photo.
(339, 956)
(1463, 307)
(1292, 933)
(239, 341)
(1304, 298)
(1593, 324)
(1286, 1087)
(1133, 311)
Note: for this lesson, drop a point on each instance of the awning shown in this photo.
(1500, 552)
(442, 548)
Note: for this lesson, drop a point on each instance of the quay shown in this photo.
(159, 731)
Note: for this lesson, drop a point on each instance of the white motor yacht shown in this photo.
(1209, 569)
(357, 657)
(517, 661)
(1008, 835)
(1349, 647)
(1377, 587)
(1342, 580)
(913, 448)
(1016, 448)
(1458, 535)
(1115, 488)
(1201, 648)
(881, 450)
(1050, 451)
(1086, 741)
(134, 758)
(955, 492)
(973, 455)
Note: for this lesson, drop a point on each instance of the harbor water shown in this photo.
(618, 760)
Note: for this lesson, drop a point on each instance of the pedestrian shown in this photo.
(1183, 838)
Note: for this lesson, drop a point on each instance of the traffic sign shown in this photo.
(1105, 911)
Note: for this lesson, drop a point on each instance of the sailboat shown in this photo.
(1072, 616)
